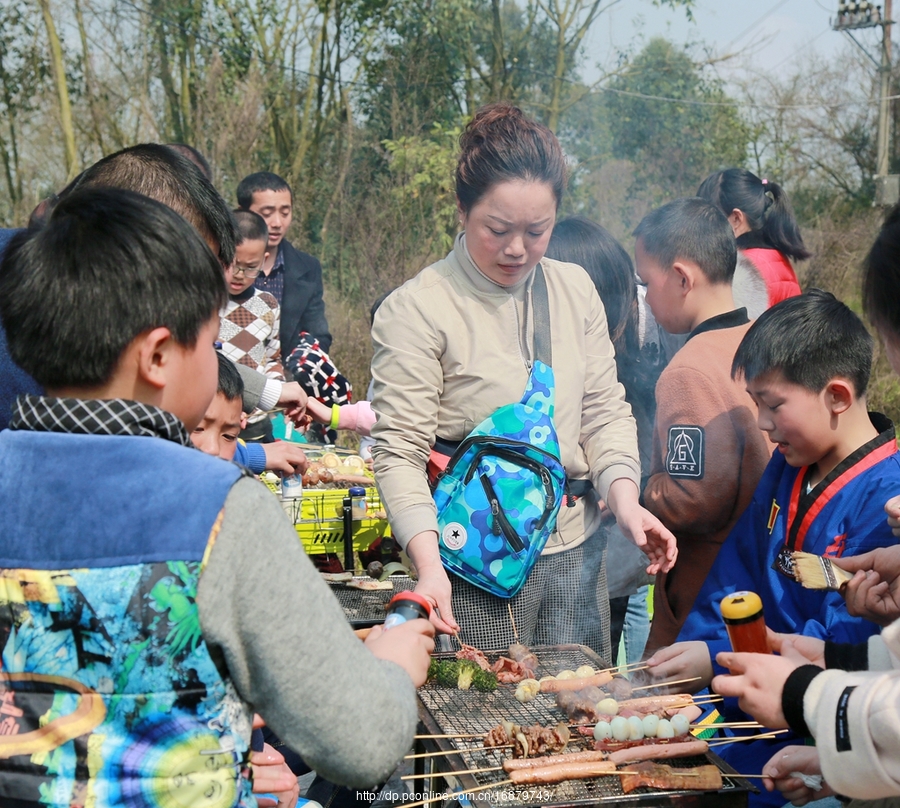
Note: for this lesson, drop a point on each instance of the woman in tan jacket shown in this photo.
(455, 343)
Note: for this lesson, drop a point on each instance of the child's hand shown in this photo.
(874, 591)
(293, 399)
(892, 508)
(812, 649)
(682, 660)
(318, 411)
(285, 456)
(790, 761)
(409, 645)
(271, 775)
(757, 680)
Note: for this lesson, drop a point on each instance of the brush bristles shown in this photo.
(818, 572)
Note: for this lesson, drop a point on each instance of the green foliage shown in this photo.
(673, 144)
(424, 167)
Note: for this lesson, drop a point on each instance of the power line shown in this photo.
(464, 80)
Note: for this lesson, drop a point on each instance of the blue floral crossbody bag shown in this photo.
(499, 496)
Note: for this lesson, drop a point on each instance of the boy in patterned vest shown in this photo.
(249, 320)
(162, 596)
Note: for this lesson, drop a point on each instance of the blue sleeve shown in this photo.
(732, 571)
(252, 456)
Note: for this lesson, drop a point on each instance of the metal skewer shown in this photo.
(512, 620)
(452, 735)
(761, 736)
(454, 773)
(456, 751)
(549, 763)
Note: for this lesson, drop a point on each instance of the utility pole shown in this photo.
(851, 17)
(884, 108)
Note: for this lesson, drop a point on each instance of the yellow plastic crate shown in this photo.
(318, 520)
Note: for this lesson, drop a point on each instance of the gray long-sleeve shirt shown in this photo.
(290, 652)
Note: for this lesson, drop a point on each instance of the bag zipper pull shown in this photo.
(495, 512)
(570, 500)
(548, 490)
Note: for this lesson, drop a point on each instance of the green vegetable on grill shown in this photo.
(462, 674)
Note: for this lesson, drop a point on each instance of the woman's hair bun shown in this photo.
(501, 143)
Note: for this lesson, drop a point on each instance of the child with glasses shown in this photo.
(249, 322)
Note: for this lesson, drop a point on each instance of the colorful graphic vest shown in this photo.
(109, 695)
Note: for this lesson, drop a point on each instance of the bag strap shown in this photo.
(543, 350)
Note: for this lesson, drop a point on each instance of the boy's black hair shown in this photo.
(108, 266)
(810, 339)
(163, 174)
(231, 385)
(251, 226)
(690, 229)
(260, 181)
(194, 156)
(881, 278)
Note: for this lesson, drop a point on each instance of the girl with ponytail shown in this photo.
(764, 226)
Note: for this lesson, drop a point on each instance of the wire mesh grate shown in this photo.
(453, 711)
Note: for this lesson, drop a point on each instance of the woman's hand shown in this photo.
(641, 526)
(433, 584)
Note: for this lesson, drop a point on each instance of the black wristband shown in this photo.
(847, 656)
(792, 697)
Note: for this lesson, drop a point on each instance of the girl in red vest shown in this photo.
(764, 226)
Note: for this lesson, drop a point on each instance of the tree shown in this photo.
(675, 123)
(814, 129)
(23, 69)
(58, 65)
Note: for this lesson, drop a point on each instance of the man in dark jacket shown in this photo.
(293, 277)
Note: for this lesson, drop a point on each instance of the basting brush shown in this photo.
(818, 572)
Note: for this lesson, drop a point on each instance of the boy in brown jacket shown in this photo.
(708, 452)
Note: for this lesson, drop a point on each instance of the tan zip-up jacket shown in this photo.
(451, 346)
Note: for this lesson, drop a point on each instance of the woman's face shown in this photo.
(507, 230)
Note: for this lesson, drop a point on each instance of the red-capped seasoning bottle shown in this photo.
(406, 606)
(743, 616)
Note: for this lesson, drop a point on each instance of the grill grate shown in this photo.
(363, 609)
(454, 711)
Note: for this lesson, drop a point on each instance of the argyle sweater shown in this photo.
(248, 329)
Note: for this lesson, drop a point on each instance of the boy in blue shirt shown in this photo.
(806, 363)
(138, 632)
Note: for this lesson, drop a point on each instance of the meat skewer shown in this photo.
(516, 764)
(659, 751)
(704, 778)
(556, 685)
(557, 772)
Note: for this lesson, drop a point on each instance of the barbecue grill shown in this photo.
(452, 711)
(367, 608)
